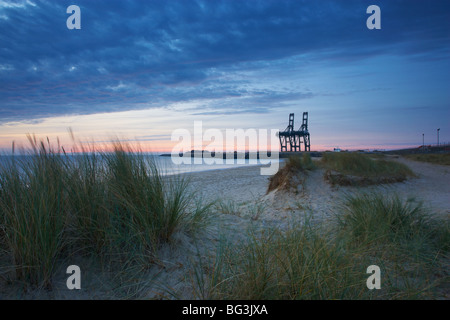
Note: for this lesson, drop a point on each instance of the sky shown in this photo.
(139, 70)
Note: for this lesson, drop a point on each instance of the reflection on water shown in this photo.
(171, 168)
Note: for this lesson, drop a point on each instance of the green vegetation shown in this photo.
(116, 210)
(436, 158)
(300, 163)
(360, 169)
(116, 207)
(289, 176)
(311, 262)
(411, 245)
(228, 207)
(297, 263)
(252, 209)
(373, 219)
(34, 213)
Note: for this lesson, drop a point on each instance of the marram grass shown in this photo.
(356, 169)
(308, 261)
(114, 206)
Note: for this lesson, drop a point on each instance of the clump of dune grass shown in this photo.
(379, 219)
(436, 158)
(229, 207)
(301, 163)
(356, 169)
(402, 237)
(305, 261)
(253, 209)
(34, 206)
(291, 174)
(145, 208)
(298, 263)
(90, 218)
(256, 209)
(116, 207)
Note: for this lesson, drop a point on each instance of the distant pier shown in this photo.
(241, 155)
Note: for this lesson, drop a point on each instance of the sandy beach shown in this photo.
(317, 199)
(246, 186)
(116, 116)
(246, 205)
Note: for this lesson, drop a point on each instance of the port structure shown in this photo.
(291, 140)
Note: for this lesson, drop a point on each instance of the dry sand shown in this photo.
(246, 188)
(316, 199)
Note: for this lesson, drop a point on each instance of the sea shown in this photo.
(168, 167)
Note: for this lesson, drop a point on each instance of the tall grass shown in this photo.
(437, 158)
(358, 164)
(300, 163)
(145, 208)
(34, 206)
(330, 262)
(89, 209)
(288, 176)
(114, 206)
(402, 237)
(360, 169)
(376, 219)
(228, 207)
(298, 263)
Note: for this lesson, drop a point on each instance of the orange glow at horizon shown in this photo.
(161, 146)
(149, 130)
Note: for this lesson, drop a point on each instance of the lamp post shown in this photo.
(438, 135)
(423, 141)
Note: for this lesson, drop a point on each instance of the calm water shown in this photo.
(166, 165)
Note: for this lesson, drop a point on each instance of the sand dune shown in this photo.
(247, 188)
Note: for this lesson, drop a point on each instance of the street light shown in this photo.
(438, 135)
(423, 141)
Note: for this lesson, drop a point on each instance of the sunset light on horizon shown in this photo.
(140, 70)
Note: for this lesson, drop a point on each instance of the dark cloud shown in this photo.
(140, 54)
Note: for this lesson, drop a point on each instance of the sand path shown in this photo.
(318, 200)
(246, 187)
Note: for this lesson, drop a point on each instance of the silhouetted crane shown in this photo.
(294, 138)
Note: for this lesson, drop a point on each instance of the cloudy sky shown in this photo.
(141, 69)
